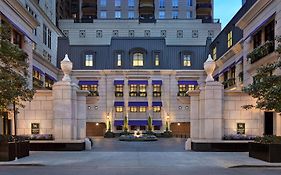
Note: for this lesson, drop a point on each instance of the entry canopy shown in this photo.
(156, 103)
(119, 103)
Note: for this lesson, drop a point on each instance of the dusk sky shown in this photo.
(226, 9)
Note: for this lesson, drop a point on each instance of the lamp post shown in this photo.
(167, 122)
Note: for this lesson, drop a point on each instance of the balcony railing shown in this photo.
(207, 19)
(84, 20)
(229, 83)
(261, 51)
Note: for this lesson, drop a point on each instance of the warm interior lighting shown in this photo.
(97, 124)
(179, 124)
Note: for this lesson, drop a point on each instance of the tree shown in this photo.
(149, 122)
(14, 87)
(125, 124)
(266, 87)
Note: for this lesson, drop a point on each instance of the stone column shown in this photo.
(194, 114)
(69, 107)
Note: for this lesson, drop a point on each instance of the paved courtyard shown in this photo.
(111, 157)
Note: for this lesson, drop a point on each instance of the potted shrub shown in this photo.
(266, 148)
(167, 133)
(149, 126)
(109, 133)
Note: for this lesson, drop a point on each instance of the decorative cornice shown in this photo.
(44, 62)
(252, 13)
(22, 13)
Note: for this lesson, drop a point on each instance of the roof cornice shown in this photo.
(17, 7)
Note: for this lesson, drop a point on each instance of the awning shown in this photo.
(260, 26)
(50, 77)
(88, 83)
(118, 82)
(156, 82)
(118, 122)
(119, 103)
(156, 103)
(187, 82)
(138, 82)
(138, 103)
(38, 70)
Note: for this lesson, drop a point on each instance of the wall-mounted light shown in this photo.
(107, 116)
(97, 124)
(180, 107)
(179, 124)
(89, 107)
(186, 107)
(96, 107)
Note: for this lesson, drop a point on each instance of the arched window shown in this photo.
(138, 59)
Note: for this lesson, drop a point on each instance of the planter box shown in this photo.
(7, 150)
(266, 152)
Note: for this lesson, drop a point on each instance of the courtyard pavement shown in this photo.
(163, 157)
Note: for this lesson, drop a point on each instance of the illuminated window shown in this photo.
(37, 75)
(229, 39)
(214, 53)
(138, 59)
(133, 90)
(118, 90)
(142, 90)
(119, 108)
(156, 90)
(186, 60)
(182, 90)
(142, 109)
(191, 87)
(89, 60)
(119, 60)
(92, 88)
(157, 60)
(133, 109)
(156, 108)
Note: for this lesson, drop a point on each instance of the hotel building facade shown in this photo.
(145, 58)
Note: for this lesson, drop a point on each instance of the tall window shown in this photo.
(156, 108)
(119, 109)
(182, 90)
(119, 60)
(102, 3)
(142, 109)
(157, 60)
(214, 53)
(89, 61)
(175, 14)
(269, 33)
(117, 14)
(119, 90)
(189, 2)
(117, 3)
(175, 3)
(161, 15)
(131, 3)
(229, 39)
(103, 14)
(44, 34)
(161, 3)
(142, 91)
(156, 90)
(133, 90)
(186, 60)
(138, 59)
(257, 39)
(133, 109)
(49, 39)
(131, 14)
(92, 88)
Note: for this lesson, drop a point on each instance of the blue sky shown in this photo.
(226, 9)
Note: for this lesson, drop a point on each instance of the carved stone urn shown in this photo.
(66, 66)
(209, 67)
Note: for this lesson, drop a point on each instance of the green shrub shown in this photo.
(268, 139)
